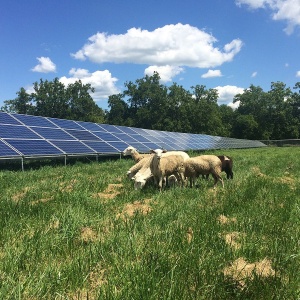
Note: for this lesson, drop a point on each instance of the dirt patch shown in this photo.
(226, 220)
(110, 192)
(87, 234)
(67, 186)
(97, 276)
(234, 239)
(43, 200)
(131, 209)
(189, 235)
(257, 172)
(240, 270)
(291, 182)
(19, 196)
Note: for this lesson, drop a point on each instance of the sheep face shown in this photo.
(129, 150)
(158, 153)
(139, 183)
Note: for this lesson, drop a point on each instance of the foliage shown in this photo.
(83, 232)
(53, 99)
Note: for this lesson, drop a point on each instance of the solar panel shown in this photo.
(73, 147)
(83, 135)
(17, 131)
(34, 147)
(53, 134)
(7, 151)
(34, 121)
(32, 136)
(7, 119)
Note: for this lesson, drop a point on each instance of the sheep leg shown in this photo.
(160, 183)
(217, 178)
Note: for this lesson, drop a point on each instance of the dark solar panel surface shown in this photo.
(24, 135)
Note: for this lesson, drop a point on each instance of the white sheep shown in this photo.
(144, 174)
(135, 168)
(136, 156)
(163, 165)
(141, 177)
(203, 165)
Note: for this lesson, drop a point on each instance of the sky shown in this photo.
(223, 44)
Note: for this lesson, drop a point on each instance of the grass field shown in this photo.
(83, 232)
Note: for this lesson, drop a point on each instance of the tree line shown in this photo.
(146, 103)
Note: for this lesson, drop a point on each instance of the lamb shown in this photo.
(203, 165)
(136, 156)
(227, 165)
(163, 165)
(172, 181)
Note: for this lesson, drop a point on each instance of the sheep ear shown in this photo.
(152, 151)
(164, 150)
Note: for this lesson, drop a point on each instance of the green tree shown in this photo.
(119, 111)
(53, 99)
(50, 99)
(254, 103)
(228, 117)
(81, 105)
(21, 105)
(245, 127)
(204, 111)
(146, 98)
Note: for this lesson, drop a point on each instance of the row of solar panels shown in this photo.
(26, 136)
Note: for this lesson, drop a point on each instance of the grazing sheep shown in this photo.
(227, 165)
(134, 169)
(141, 178)
(136, 156)
(203, 165)
(172, 181)
(163, 166)
(144, 174)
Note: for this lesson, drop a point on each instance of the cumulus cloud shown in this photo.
(172, 45)
(298, 74)
(45, 65)
(166, 73)
(101, 81)
(212, 73)
(227, 93)
(288, 11)
(254, 74)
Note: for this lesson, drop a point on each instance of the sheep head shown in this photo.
(158, 152)
(129, 150)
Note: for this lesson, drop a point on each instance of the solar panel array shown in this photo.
(34, 136)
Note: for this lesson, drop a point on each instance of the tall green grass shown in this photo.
(65, 235)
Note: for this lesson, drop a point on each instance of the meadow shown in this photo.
(81, 231)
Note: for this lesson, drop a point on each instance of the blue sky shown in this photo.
(222, 44)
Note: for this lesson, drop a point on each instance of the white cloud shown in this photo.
(234, 105)
(282, 10)
(227, 93)
(298, 74)
(212, 73)
(45, 65)
(166, 73)
(172, 45)
(101, 81)
(254, 74)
